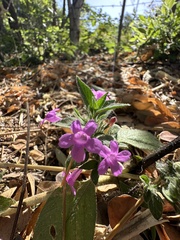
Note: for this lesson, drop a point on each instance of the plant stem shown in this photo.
(126, 217)
(64, 213)
(64, 202)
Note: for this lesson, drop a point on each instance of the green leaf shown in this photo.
(112, 107)
(156, 205)
(89, 165)
(61, 157)
(65, 122)
(144, 178)
(86, 93)
(100, 102)
(138, 138)
(170, 3)
(80, 215)
(142, 30)
(5, 203)
(94, 176)
(171, 191)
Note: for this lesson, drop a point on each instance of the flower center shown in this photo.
(81, 138)
(112, 157)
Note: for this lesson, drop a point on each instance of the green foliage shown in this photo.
(80, 215)
(5, 203)
(44, 36)
(170, 174)
(161, 28)
(138, 138)
(96, 108)
(151, 197)
(98, 31)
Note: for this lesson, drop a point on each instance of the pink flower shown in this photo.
(112, 158)
(80, 140)
(98, 94)
(72, 177)
(51, 116)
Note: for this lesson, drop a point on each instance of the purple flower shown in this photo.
(51, 116)
(98, 94)
(72, 177)
(112, 158)
(80, 140)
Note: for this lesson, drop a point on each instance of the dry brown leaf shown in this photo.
(106, 187)
(118, 207)
(167, 136)
(13, 108)
(36, 155)
(167, 232)
(6, 223)
(146, 56)
(154, 120)
(47, 186)
(167, 207)
(162, 107)
(171, 124)
(32, 183)
(8, 193)
(137, 81)
(32, 222)
(141, 102)
(19, 144)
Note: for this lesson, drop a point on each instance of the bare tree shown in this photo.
(13, 21)
(54, 7)
(74, 8)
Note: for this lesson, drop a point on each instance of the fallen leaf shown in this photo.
(118, 207)
(167, 136)
(164, 109)
(141, 102)
(167, 232)
(13, 108)
(36, 155)
(19, 144)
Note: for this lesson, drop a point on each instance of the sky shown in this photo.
(113, 7)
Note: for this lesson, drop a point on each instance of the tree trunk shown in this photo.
(74, 16)
(14, 25)
(54, 7)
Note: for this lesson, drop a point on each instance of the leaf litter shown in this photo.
(152, 90)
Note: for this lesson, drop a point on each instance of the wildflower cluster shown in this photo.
(85, 141)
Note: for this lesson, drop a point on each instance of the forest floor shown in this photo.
(152, 90)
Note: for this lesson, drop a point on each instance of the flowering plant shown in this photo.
(91, 148)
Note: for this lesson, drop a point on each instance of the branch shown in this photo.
(153, 157)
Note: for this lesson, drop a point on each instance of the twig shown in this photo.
(28, 202)
(152, 158)
(24, 177)
(126, 217)
(29, 166)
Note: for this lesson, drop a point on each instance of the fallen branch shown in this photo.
(153, 157)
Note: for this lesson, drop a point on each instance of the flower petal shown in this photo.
(103, 167)
(114, 146)
(90, 127)
(51, 116)
(116, 168)
(72, 177)
(78, 153)
(94, 145)
(66, 140)
(76, 126)
(98, 94)
(104, 151)
(123, 156)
